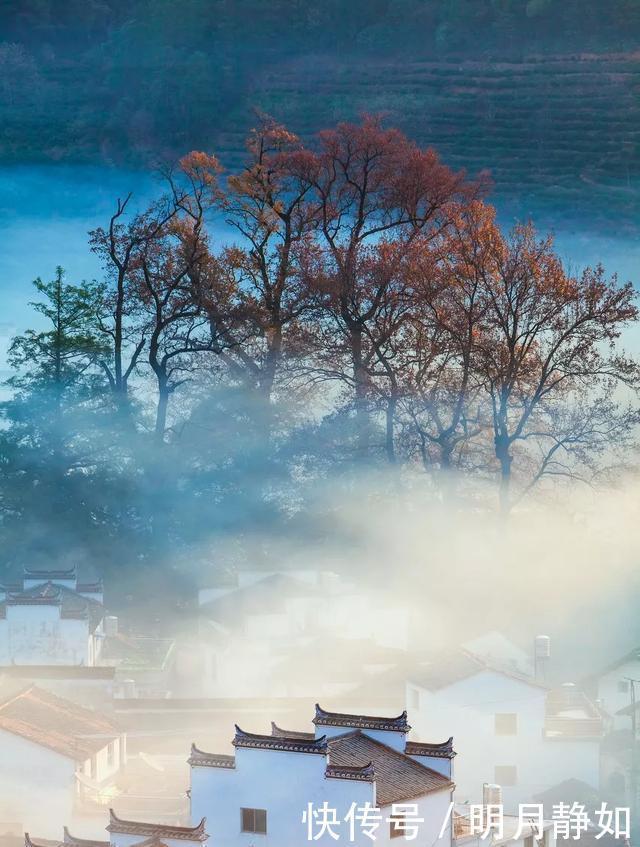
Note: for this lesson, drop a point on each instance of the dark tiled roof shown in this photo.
(290, 744)
(278, 732)
(156, 830)
(72, 605)
(81, 842)
(444, 750)
(41, 842)
(45, 574)
(397, 724)
(398, 777)
(201, 759)
(455, 665)
(60, 725)
(366, 773)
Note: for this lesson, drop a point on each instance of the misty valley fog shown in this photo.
(234, 567)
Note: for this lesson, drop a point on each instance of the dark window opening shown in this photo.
(254, 820)
(397, 825)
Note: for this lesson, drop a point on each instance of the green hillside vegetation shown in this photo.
(543, 93)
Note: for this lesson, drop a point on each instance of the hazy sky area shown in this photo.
(46, 211)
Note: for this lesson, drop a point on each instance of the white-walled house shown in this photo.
(510, 730)
(611, 686)
(496, 649)
(258, 795)
(60, 761)
(51, 618)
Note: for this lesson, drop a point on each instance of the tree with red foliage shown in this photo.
(370, 184)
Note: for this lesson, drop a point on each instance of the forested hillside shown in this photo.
(544, 93)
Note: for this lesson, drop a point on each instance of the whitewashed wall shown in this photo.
(284, 783)
(467, 711)
(36, 635)
(37, 786)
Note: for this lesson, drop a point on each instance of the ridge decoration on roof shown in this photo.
(364, 773)
(72, 604)
(279, 732)
(28, 841)
(289, 744)
(397, 724)
(81, 842)
(36, 573)
(444, 750)
(200, 758)
(151, 830)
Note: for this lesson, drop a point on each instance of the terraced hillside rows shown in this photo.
(563, 131)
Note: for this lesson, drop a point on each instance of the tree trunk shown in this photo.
(392, 404)
(161, 410)
(361, 384)
(271, 362)
(503, 454)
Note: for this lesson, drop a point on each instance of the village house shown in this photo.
(611, 686)
(259, 794)
(264, 622)
(513, 730)
(60, 761)
(51, 618)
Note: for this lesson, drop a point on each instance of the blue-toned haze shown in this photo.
(47, 210)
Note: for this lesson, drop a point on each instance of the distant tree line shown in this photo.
(367, 313)
(133, 79)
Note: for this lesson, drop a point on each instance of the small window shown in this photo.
(506, 723)
(506, 775)
(254, 820)
(623, 686)
(397, 825)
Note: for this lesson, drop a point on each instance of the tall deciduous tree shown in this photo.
(120, 320)
(550, 339)
(256, 299)
(369, 183)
